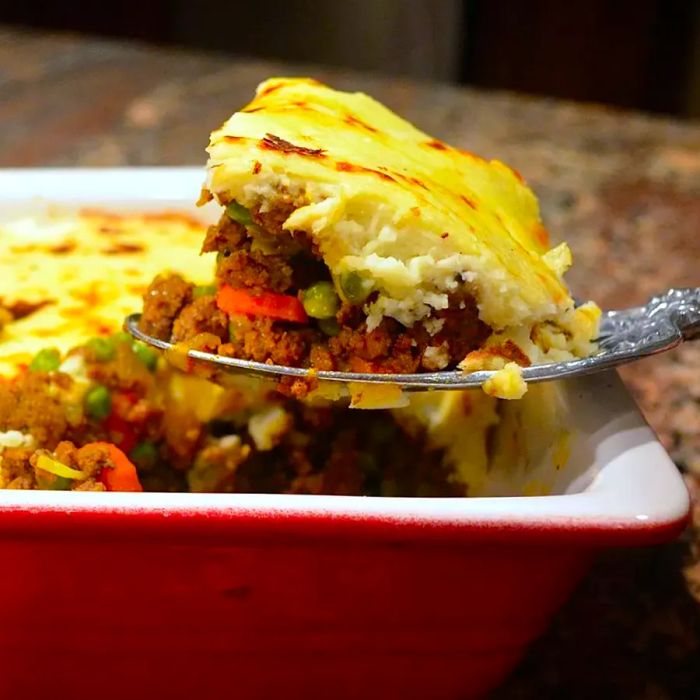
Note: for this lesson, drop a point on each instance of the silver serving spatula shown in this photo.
(625, 335)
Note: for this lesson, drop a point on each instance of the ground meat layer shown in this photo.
(269, 259)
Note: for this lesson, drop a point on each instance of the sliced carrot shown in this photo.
(122, 476)
(282, 307)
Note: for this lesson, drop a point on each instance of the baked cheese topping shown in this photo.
(69, 277)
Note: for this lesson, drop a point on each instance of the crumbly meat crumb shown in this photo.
(225, 234)
(31, 403)
(15, 470)
(255, 271)
(165, 297)
(201, 316)
(262, 340)
(273, 219)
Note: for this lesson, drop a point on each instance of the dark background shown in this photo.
(642, 54)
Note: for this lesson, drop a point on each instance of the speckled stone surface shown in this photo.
(623, 189)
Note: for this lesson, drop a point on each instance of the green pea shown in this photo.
(46, 360)
(52, 482)
(329, 326)
(355, 287)
(98, 402)
(204, 290)
(320, 300)
(237, 212)
(144, 455)
(148, 356)
(101, 349)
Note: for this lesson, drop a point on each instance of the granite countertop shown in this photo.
(623, 188)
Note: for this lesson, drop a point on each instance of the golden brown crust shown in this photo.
(270, 142)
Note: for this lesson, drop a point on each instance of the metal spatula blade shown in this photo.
(625, 335)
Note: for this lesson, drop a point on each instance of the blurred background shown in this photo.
(642, 54)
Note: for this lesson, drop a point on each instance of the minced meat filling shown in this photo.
(261, 339)
(255, 271)
(285, 446)
(261, 258)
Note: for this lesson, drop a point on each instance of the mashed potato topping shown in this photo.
(422, 220)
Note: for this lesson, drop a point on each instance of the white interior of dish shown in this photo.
(615, 467)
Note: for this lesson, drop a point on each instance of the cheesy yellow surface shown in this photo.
(88, 271)
(380, 196)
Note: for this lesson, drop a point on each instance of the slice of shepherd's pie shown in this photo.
(352, 241)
